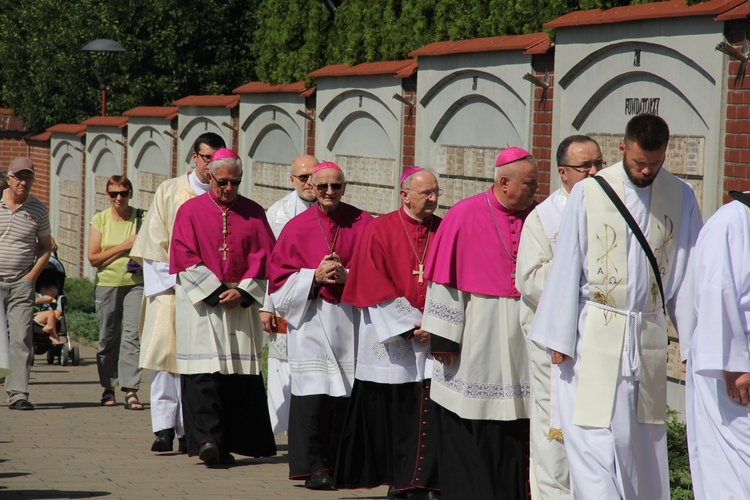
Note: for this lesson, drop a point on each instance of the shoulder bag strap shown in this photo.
(636, 232)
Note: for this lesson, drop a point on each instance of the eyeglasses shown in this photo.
(206, 158)
(599, 164)
(324, 187)
(428, 193)
(25, 179)
(302, 178)
(224, 182)
(115, 194)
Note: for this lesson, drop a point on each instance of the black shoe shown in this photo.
(227, 459)
(21, 404)
(394, 494)
(321, 480)
(181, 445)
(164, 440)
(209, 453)
(433, 495)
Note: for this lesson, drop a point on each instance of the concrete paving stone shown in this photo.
(71, 447)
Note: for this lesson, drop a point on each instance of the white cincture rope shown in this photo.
(633, 320)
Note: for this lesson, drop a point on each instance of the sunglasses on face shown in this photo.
(115, 194)
(302, 178)
(324, 187)
(224, 182)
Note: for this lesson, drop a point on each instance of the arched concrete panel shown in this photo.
(359, 94)
(361, 134)
(194, 128)
(456, 109)
(445, 83)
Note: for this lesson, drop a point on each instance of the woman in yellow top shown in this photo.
(118, 294)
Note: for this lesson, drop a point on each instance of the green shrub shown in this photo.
(680, 481)
(82, 326)
(80, 295)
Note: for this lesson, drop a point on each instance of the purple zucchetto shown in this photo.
(222, 153)
(325, 165)
(409, 171)
(511, 154)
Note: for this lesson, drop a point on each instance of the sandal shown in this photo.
(131, 401)
(108, 398)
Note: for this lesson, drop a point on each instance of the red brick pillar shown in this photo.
(737, 138)
(541, 119)
(409, 121)
(310, 107)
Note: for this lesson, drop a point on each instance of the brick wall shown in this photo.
(737, 138)
(409, 120)
(541, 119)
(310, 107)
(39, 152)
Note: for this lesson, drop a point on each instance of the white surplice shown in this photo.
(383, 355)
(627, 459)
(279, 374)
(549, 473)
(320, 343)
(718, 427)
(217, 339)
(490, 379)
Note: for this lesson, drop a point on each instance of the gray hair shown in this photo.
(228, 163)
(529, 159)
(341, 174)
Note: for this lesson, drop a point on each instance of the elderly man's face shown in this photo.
(302, 169)
(519, 185)
(225, 183)
(329, 189)
(421, 197)
(20, 183)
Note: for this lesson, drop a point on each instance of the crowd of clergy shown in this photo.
(510, 349)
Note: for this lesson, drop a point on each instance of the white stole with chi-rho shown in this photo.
(610, 322)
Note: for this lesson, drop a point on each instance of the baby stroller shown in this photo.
(54, 274)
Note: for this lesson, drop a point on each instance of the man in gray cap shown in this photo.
(26, 248)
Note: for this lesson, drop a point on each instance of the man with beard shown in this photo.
(602, 315)
(220, 249)
(281, 212)
(481, 380)
(390, 434)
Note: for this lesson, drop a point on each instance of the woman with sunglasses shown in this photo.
(118, 294)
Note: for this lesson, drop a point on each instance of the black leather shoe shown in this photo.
(433, 495)
(394, 494)
(321, 480)
(209, 453)
(163, 441)
(181, 445)
(227, 459)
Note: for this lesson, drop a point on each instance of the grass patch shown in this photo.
(680, 481)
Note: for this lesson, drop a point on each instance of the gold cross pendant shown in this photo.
(419, 273)
(224, 248)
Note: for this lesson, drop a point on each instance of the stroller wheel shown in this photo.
(50, 356)
(65, 355)
(76, 356)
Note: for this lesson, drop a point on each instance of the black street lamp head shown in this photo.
(107, 49)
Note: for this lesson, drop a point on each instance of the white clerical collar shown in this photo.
(412, 217)
(306, 203)
(198, 186)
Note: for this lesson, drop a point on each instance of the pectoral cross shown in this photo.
(419, 273)
(224, 248)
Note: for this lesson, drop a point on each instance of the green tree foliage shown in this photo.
(175, 48)
(290, 39)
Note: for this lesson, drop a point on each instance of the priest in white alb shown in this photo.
(278, 214)
(603, 319)
(309, 267)
(221, 246)
(718, 378)
(390, 434)
(578, 157)
(481, 379)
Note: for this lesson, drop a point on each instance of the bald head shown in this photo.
(420, 193)
(300, 171)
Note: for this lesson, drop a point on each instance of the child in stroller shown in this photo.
(49, 323)
(47, 311)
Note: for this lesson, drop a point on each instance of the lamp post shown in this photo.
(108, 48)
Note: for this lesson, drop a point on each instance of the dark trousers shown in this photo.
(315, 424)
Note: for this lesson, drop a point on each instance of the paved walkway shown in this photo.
(70, 447)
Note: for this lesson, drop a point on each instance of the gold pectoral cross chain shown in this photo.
(420, 261)
(224, 231)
